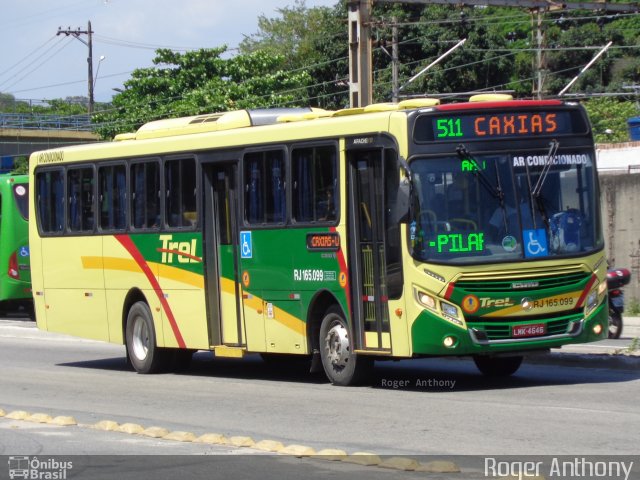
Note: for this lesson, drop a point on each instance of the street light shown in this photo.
(95, 79)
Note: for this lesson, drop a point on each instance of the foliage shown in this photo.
(311, 39)
(201, 81)
(21, 165)
(67, 107)
(609, 118)
(633, 310)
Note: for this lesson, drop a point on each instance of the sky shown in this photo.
(38, 64)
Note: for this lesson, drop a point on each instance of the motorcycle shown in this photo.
(616, 279)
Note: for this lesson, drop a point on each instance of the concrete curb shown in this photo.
(300, 451)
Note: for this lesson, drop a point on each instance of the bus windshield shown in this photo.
(487, 207)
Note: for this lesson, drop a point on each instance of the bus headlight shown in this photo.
(425, 300)
(602, 288)
(449, 310)
(592, 300)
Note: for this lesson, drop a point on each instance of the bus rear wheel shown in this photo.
(142, 350)
(341, 365)
(497, 366)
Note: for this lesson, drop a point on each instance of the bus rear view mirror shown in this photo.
(400, 211)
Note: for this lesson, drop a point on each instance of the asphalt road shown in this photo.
(423, 407)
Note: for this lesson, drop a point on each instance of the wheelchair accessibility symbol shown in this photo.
(535, 243)
(246, 248)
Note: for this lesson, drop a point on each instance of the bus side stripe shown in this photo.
(126, 242)
(586, 291)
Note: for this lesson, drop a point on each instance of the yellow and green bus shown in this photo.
(392, 231)
(15, 275)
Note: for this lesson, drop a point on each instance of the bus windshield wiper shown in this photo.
(551, 156)
(536, 191)
(495, 190)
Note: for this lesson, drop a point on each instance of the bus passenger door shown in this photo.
(375, 269)
(223, 290)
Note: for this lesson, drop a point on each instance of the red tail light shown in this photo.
(13, 266)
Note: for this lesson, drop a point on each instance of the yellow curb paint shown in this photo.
(155, 432)
(269, 446)
(180, 436)
(39, 418)
(63, 421)
(212, 438)
(363, 458)
(107, 425)
(241, 441)
(18, 415)
(400, 463)
(298, 451)
(130, 428)
(331, 454)
(438, 466)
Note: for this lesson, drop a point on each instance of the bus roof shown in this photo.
(374, 117)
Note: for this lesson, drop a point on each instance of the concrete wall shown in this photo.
(15, 142)
(620, 194)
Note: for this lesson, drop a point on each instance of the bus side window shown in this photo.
(265, 187)
(180, 182)
(145, 195)
(80, 194)
(50, 200)
(112, 187)
(314, 173)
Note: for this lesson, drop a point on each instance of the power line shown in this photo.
(61, 44)
(26, 57)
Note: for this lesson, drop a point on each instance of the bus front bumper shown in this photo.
(433, 335)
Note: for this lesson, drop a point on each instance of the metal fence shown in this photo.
(35, 121)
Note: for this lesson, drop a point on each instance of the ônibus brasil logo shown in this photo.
(38, 469)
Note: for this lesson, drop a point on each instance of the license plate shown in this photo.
(532, 330)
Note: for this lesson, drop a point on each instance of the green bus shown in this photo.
(15, 274)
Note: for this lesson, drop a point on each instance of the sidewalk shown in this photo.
(602, 354)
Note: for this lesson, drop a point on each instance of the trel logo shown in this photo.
(496, 302)
(185, 252)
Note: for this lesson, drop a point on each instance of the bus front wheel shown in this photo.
(142, 350)
(497, 366)
(342, 366)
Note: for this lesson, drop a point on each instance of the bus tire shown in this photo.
(341, 365)
(497, 366)
(142, 350)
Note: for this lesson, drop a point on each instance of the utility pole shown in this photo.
(76, 33)
(360, 74)
(395, 89)
(360, 70)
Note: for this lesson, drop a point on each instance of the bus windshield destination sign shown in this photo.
(487, 125)
(457, 242)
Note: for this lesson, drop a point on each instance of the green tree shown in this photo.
(21, 165)
(609, 119)
(201, 81)
(314, 40)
